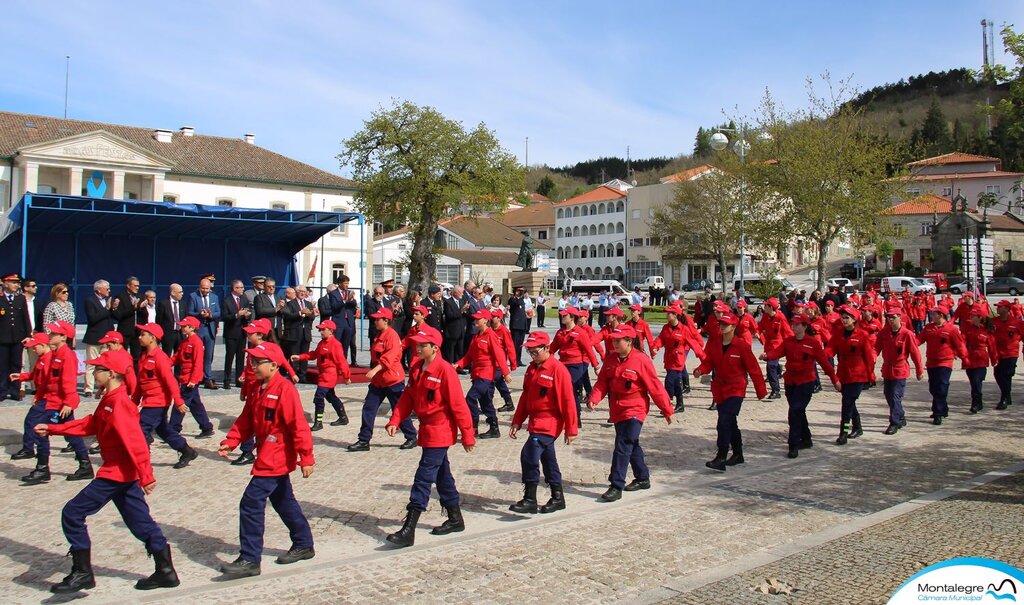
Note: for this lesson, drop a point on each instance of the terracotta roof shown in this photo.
(601, 194)
(197, 155)
(1003, 222)
(536, 197)
(925, 204)
(686, 175)
(539, 214)
(956, 158)
(954, 176)
(481, 231)
(483, 257)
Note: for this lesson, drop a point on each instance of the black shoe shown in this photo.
(84, 471)
(816, 389)
(80, 578)
(407, 535)
(857, 430)
(40, 474)
(294, 555)
(341, 421)
(67, 449)
(713, 406)
(529, 502)
(359, 446)
(1002, 405)
(206, 434)
(774, 395)
(686, 389)
(612, 494)
(841, 440)
(903, 423)
(226, 386)
(492, 433)
(638, 484)
(937, 420)
(240, 567)
(454, 522)
(23, 454)
(556, 502)
(244, 459)
(736, 458)
(508, 407)
(680, 407)
(95, 449)
(186, 455)
(718, 463)
(806, 444)
(163, 576)
(408, 445)
(793, 452)
(462, 372)
(975, 408)
(317, 426)
(892, 430)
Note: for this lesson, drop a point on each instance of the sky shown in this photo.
(580, 80)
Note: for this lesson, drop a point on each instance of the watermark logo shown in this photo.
(963, 580)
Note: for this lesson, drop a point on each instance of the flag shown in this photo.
(312, 269)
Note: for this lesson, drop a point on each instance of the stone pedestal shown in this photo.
(532, 281)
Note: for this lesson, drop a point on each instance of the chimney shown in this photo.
(250, 138)
(187, 131)
(162, 136)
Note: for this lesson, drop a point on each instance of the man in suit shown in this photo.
(99, 320)
(433, 302)
(15, 326)
(235, 310)
(308, 312)
(454, 326)
(265, 305)
(256, 289)
(204, 305)
(343, 313)
(168, 313)
(146, 313)
(371, 305)
(29, 287)
(123, 311)
(518, 323)
(291, 320)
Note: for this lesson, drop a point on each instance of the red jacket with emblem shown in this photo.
(189, 359)
(39, 377)
(774, 329)
(573, 346)
(732, 364)
(273, 414)
(547, 400)
(62, 384)
(896, 349)
(1008, 335)
(386, 351)
(157, 386)
(942, 345)
(435, 394)
(630, 384)
(856, 353)
(331, 365)
(801, 356)
(508, 346)
(981, 347)
(747, 330)
(677, 341)
(487, 355)
(643, 333)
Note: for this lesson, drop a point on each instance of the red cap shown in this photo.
(538, 339)
(616, 311)
(383, 314)
(482, 314)
(115, 361)
(61, 327)
(267, 350)
(636, 308)
(675, 309)
(741, 304)
(259, 326)
(422, 309)
(730, 319)
(830, 303)
(721, 306)
(153, 329)
(893, 309)
(112, 336)
(497, 314)
(427, 334)
(979, 310)
(328, 324)
(568, 311)
(1004, 303)
(799, 319)
(848, 310)
(189, 321)
(968, 294)
(624, 331)
(41, 339)
(773, 303)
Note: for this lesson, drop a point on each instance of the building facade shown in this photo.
(913, 222)
(953, 174)
(590, 235)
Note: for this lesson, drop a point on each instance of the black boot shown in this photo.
(240, 567)
(359, 446)
(508, 407)
(342, 419)
(67, 449)
(737, 455)
(1004, 402)
(407, 535)
(185, 455)
(84, 471)
(713, 406)
(557, 501)
(492, 432)
(454, 522)
(611, 494)
(680, 406)
(80, 577)
(718, 463)
(317, 426)
(529, 502)
(40, 474)
(23, 454)
(686, 385)
(775, 394)
(843, 433)
(294, 555)
(794, 451)
(856, 430)
(164, 575)
(976, 405)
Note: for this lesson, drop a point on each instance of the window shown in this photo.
(636, 242)
(914, 190)
(280, 206)
(337, 270)
(947, 192)
(343, 229)
(452, 242)
(170, 198)
(401, 246)
(448, 274)
(560, 233)
(651, 241)
(542, 234)
(45, 188)
(926, 228)
(583, 252)
(1008, 256)
(560, 213)
(993, 189)
(635, 215)
(131, 195)
(224, 201)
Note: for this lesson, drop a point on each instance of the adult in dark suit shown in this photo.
(169, 312)
(308, 311)
(235, 311)
(291, 322)
(344, 306)
(99, 320)
(266, 304)
(518, 323)
(204, 305)
(454, 326)
(371, 305)
(123, 311)
(433, 302)
(15, 326)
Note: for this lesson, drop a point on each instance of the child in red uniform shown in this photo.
(39, 375)
(332, 368)
(156, 391)
(855, 350)
(486, 355)
(981, 352)
(677, 338)
(189, 360)
(387, 381)
(500, 382)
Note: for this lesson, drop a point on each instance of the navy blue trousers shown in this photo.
(1003, 373)
(155, 419)
(799, 397)
(851, 392)
(252, 515)
(195, 406)
(502, 388)
(538, 451)
(580, 373)
(433, 470)
(938, 386)
(728, 422)
(248, 446)
(344, 336)
(328, 394)
(976, 376)
(674, 383)
(628, 453)
(130, 502)
(480, 397)
(893, 391)
(773, 372)
(37, 414)
(208, 342)
(374, 397)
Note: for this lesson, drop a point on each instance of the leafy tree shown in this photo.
(1008, 133)
(416, 166)
(702, 144)
(934, 137)
(884, 250)
(547, 186)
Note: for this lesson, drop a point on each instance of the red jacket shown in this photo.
(189, 359)
(856, 353)
(895, 350)
(547, 400)
(1008, 335)
(592, 339)
(386, 351)
(605, 336)
(40, 376)
(62, 385)
(678, 341)
(732, 364)
(331, 365)
(273, 414)
(573, 346)
(981, 347)
(962, 315)
(435, 394)
(123, 448)
(774, 329)
(487, 355)
(747, 330)
(630, 384)
(643, 333)
(942, 345)
(800, 358)
(249, 376)
(157, 385)
(509, 347)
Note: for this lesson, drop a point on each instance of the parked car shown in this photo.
(594, 287)
(1005, 285)
(958, 288)
(755, 280)
(839, 282)
(655, 281)
(939, 279)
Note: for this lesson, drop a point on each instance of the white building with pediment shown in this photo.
(40, 154)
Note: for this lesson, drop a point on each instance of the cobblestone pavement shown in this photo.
(690, 522)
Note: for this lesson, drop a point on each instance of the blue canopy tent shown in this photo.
(81, 239)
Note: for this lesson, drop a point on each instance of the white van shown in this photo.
(916, 284)
(594, 287)
(752, 279)
(654, 281)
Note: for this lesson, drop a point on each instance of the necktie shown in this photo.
(206, 302)
(237, 305)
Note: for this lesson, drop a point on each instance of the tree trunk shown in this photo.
(721, 265)
(822, 256)
(422, 264)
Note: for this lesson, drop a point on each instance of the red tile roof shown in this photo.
(956, 158)
(601, 194)
(686, 175)
(925, 204)
(538, 214)
(536, 197)
(953, 176)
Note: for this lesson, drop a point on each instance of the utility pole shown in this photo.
(527, 162)
(67, 72)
